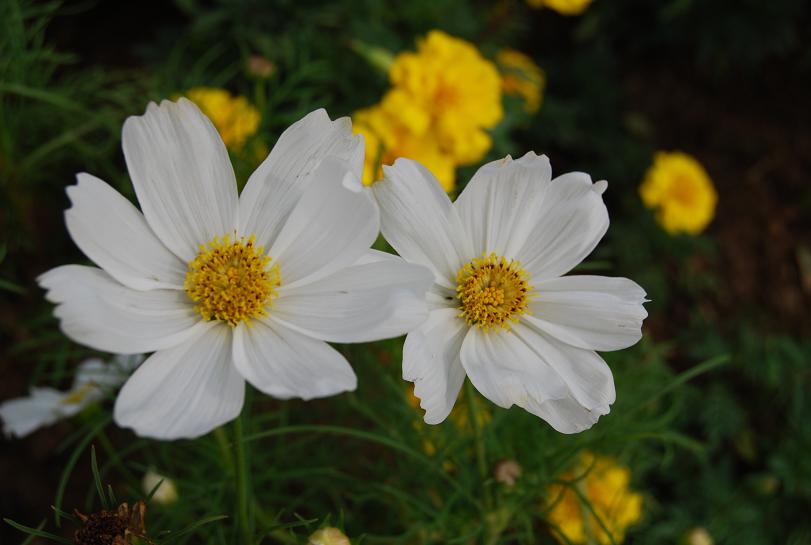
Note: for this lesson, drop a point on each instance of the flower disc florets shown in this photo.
(493, 291)
(231, 281)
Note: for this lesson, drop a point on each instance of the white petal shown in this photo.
(331, 227)
(501, 203)
(277, 185)
(115, 235)
(284, 364)
(506, 371)
(376, 256)
(102, 374)
(182, 175)
(570, 222)
(419, 221)
(97, 311)
(435, 298)
(360, 303)
(584, 372)
(24, 415)
(566, 415)
(185, 391)
(593, 312)
(431, 361)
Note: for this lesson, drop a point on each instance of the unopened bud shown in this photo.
(507, 472)
(328, 536)
(260, 67)
(699, 536)
(167, 491)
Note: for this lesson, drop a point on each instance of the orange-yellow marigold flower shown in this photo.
(448, 80)
(680, 191)
(395, 129)
(521, 76)
(235, 118)
(604, 484)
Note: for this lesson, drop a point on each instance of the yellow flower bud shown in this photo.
(699, 536)
(166, 493)
(328, 536)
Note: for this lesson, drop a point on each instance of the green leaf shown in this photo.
(37, 532)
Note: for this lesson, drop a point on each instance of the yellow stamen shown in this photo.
(493, 291)
(232, 281)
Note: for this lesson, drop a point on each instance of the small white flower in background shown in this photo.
(94, 379)
(226, 288)
(166, 493)
(328, 536)
(501, 311)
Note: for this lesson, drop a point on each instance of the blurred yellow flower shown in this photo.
(604, 483)
(235, 118)
(564, 7)
(395, 129)
(452, 87)
(328, 536)
(681, 191)
(521, 76)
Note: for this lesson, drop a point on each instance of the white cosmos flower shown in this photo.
(94, 379)
(224, 288)
(501, 312)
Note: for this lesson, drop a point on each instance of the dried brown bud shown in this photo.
(260, 67)
(119, 527)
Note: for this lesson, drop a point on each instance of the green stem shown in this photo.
(240, 464)
(115, 459)
(481, 454)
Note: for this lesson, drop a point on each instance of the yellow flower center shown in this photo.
(684, 190)
(446, 96)
(493, 291)
(76, 397)
(232, 281)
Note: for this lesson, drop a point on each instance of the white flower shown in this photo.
(500, 310)
(166, 493)
(93, 380)
(224, 288)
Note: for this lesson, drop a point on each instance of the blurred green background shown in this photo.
(714, 405)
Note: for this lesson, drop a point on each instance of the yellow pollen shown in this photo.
(493, 291)
(232, 281)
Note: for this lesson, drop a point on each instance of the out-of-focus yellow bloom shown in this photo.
(328, 536)
(166, 493)
(235, 118)
(605, 486)
(390, 131)
(681, 191)
(457, 90)
(564, 7)
(521, 76)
